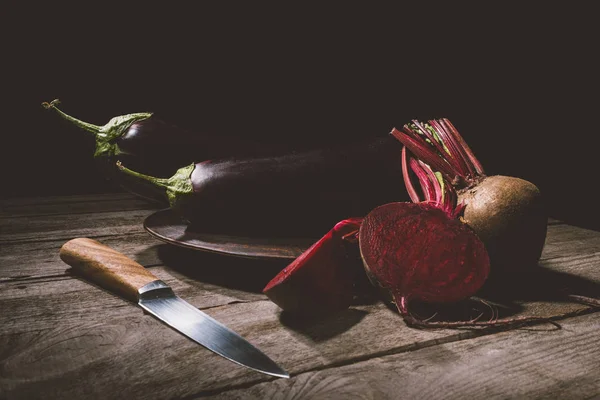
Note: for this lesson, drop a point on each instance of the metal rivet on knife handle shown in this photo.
(106, 267)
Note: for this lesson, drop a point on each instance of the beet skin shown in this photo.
(509, 216)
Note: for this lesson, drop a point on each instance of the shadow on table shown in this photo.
(540, 284)
(323, 328)
(246, 274)
(506, 297)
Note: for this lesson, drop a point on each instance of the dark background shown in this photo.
(520, 84)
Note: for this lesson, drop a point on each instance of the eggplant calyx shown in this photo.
(177, 185)
(106, 135)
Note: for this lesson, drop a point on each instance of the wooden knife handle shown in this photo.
(106, 267)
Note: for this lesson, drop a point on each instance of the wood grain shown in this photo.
(114, 347)
(566, 240)
(523, 364)
(62, 332)
(77, 204)
(61, 337)
(60, 300)
(105, 266)
(66, 227)
(41, 259)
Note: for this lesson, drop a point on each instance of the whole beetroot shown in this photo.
(423, 251)
(507, 213)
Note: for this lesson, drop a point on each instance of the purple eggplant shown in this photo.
(155, 147)
(300, 194)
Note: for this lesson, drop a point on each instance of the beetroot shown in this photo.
(418, 251)
(507, 213)
(320, 281)
(424, 252)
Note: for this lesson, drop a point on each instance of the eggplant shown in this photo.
(301, 194)
(159, 148)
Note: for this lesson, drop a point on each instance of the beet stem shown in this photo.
(436, 141)
(412, 193)
(438, 185)
(465, 167)
(418, 146)
(433, 185)
(439, 145)
(476, 164)
(446, 147)
(429, 191)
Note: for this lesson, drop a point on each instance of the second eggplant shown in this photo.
(301, 194)
(155, 147)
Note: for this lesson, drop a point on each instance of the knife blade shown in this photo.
(123, 276)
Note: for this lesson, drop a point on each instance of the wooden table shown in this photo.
(61, 337)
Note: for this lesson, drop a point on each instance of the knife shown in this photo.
(121, 275)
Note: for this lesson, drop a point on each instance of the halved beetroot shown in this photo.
(418, 252)
(320, 281)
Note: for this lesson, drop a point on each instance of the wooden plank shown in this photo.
(65, 227)
(66, 199)
(64, 296)
(567, 240)
(22, 207)
(22, 266)
(95, 334)
(522, 364)
(87, 334)
(38, 259)
(61, 331)
(63, 299)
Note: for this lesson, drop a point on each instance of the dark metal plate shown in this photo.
(168, 227)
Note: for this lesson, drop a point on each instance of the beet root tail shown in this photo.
(402, 306)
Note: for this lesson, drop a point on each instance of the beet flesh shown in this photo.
(417, 252)
(509, 216)
(320, 281)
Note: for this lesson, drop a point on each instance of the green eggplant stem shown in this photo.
(180, 184)
(160, 182)
(106, 135)
(95, 129)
